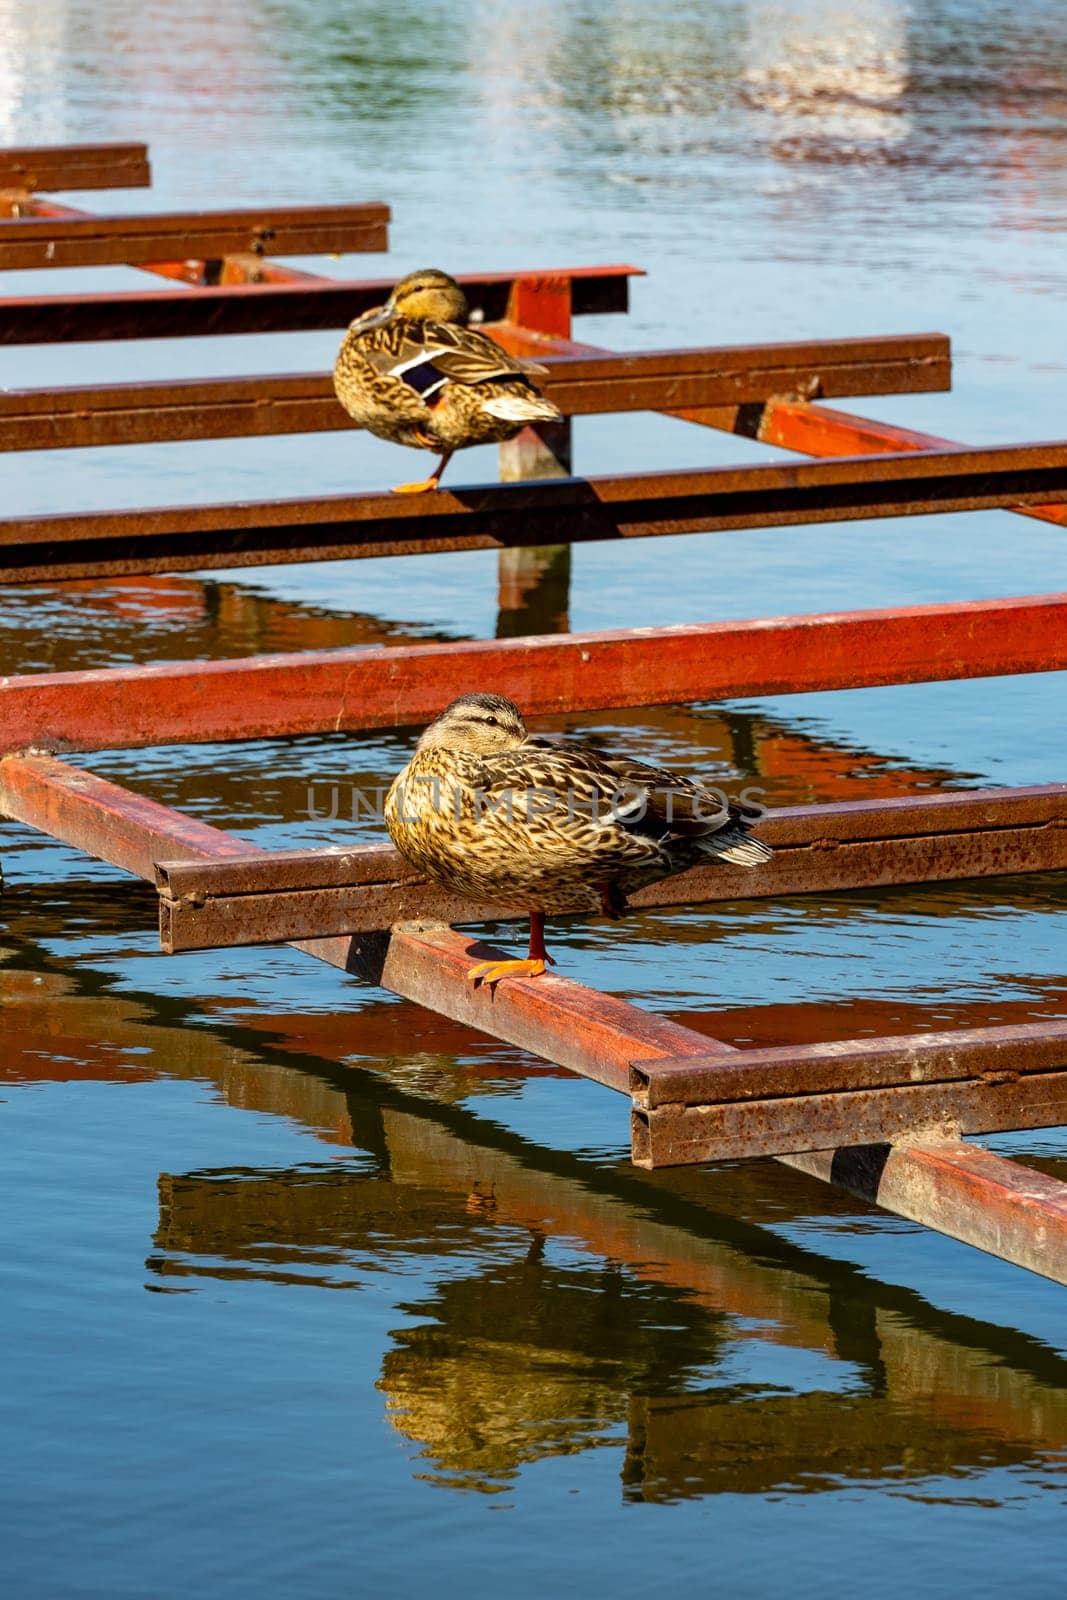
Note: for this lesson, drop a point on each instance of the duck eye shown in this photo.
(494, 722)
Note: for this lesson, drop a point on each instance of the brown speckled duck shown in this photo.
(412, 371)
(503, 816)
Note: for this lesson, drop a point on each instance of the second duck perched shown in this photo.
(412, 371)
(500, 815)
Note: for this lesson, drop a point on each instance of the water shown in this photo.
(308, 1292)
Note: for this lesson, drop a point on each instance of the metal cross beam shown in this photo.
(655, 380)
(860, 1091)
(571, 510)
(265, 230)
(75, 166)
(280, 307)
(967, 1193)
(114, 708)
(262, 899)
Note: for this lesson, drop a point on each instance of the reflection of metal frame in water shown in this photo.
(943, 1182)
(552, 1358)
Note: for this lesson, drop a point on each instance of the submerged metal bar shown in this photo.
(404, 685)
(969, 1194)
(574, 510)
(215, 408)
(74, 166)
(82, 241)
(262, 899)
(272, 307)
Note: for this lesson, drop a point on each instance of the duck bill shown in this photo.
(371, 319)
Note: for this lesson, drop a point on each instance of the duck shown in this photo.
(414, 372)
(498, 814)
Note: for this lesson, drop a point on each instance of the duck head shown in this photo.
(425, 296)
(477, 724)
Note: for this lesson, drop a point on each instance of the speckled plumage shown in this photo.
(499, 815)
(413, 372)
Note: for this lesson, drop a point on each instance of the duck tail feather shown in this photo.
(522, 408)
(737, 846)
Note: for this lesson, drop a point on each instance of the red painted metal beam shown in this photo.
(272, 307)
(237, 267)
(789, 422)
(839, 1066)
(818, 849)
(103, 819)
(959, 1190)
(817, 430)
(335, 690)
(967, 1193)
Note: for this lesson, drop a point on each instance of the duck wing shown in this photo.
(564, 798)
(450, 352)
(670, 813)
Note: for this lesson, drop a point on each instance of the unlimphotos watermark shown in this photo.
(629, 804)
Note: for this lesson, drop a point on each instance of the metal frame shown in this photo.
(896, 1107)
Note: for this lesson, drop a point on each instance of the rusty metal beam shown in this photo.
(402, 685)
(274, 307)
(575, 510)
(966, 1193)
(75, 166)
(788, 422)
(239, 267)
(969, 1193)
(92, 241)
(103, 819)
(818, 849)
(137, 413)
(818, 430)
(800, 1098)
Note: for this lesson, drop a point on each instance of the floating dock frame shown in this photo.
(883, 1118)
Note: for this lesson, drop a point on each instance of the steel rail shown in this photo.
(138, 413)
(970, 1194)
(788, 422)
(860, 1091)
(73, 166)
(818, 849)
(818, 430)
(403, 685)
(279, 307)
(493, 517)
(81, 241)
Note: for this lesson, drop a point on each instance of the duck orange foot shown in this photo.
(415, 488)
(490, 971)
(435, 476)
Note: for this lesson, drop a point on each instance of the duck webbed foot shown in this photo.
(426, 484)
(490, 971)
(533, 966)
